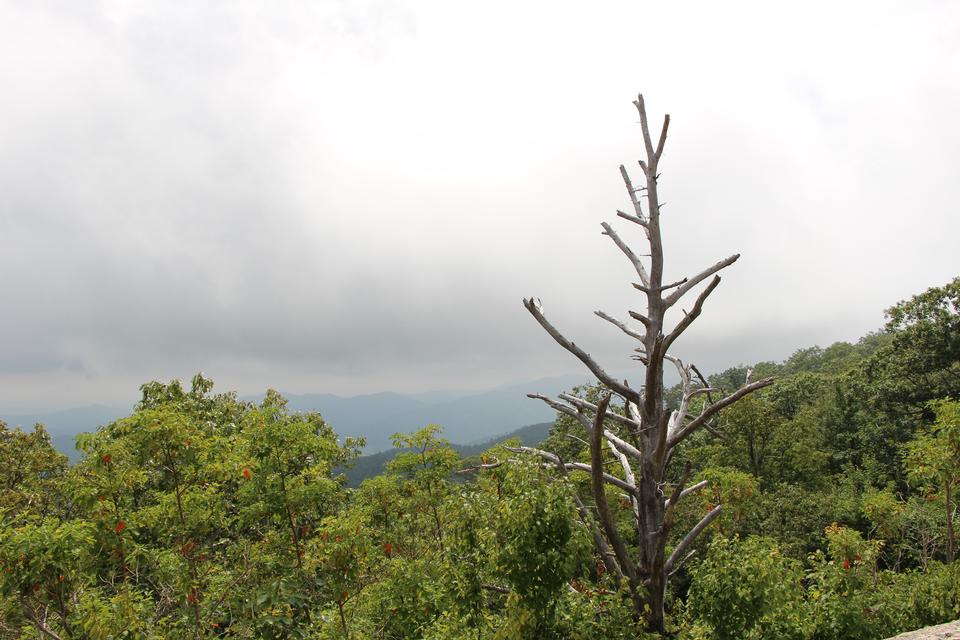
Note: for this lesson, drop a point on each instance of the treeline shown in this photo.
(202, 516)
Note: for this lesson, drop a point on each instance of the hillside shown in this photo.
(374, 464)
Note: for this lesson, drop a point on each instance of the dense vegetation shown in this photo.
(203, 516)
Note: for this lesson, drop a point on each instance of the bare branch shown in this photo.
(709, 428)
(702, 379)
(480, 467)
(634, 219)
(580, 403)
(608, 557)
(630, 477)
(633, 196)
(631, 423)
(689, 317)
(690, 537)
(633, 410)
(688, 491)
(600, 497)
(673, 284)
(661, 288)
(663, 136)
(578, 439)
(557, 406)
(537, 312)
(708, 390)
(640, 317)
(682, 562)
(546, 455)
(577, 413)
(697, 279)
(647, 142)
(493, 587)
(620, 325)
(624, 464)
(676, 362)
(627, 251)
(678, 416)
(39, 622)
(575, 466)
(714, 408)
(607, 477)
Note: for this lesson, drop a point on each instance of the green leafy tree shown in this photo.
(541, 546)
(843, 587)
(425, 464)
(45, 566)
(193, 517)
(30, 470)
(919, 364)
(746, 589)
(933, 462)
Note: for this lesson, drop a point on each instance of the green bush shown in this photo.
(746, 590)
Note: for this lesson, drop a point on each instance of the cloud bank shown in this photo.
(354, 196)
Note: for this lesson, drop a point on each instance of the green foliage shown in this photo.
(844, 587)
(746, 589)
(202, 516)
(735, 490)
(30, 470)
(541, 546)
(932, 461)
(44, 565)
(921, 362)
(932, 458)
(189, 517)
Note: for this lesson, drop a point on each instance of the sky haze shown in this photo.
(354, 196)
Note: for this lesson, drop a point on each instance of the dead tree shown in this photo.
(643, 439)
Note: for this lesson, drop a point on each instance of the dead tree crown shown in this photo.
(644, 438)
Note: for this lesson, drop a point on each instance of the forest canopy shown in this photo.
(201, 515)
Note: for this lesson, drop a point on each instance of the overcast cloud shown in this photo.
(353, 196)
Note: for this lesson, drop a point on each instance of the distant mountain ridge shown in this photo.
(374, 464)
(467, 418)
(349, 414)
(63, 426)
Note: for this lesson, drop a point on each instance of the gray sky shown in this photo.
(352, 196)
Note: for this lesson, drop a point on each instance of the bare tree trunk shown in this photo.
(645, 437)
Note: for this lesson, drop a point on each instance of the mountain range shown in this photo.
(467, 418)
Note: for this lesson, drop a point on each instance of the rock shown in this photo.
(950, 630)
